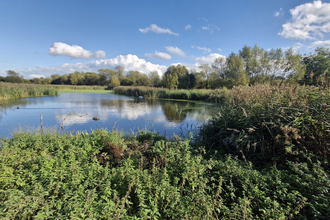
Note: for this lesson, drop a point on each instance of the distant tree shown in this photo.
(114, 82)
(106, 75)
(176, 77)
(137, 78)
(120, 73)
(154, 79)
(235, 72)
(91, 78)
(294, 70)
(317, 65)
(14, 77)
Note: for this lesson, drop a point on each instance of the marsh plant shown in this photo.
(14, 90)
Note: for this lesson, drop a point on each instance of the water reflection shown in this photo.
(162, 115)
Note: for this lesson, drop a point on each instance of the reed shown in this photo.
(77, 87)
(214, 96)
(14, 90)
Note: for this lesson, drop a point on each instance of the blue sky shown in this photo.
(41, 38)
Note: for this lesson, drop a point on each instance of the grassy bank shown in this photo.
(13, 90)
(207, 95)
(265, 156)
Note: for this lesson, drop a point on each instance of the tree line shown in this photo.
(251, 65)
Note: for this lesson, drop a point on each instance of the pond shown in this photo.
(127, 114)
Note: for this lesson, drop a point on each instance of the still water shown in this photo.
(128, 114)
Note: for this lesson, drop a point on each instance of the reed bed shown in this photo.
(214, 96)
(78, 87)
(14, 90)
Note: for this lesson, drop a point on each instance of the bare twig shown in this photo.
(113, 128)
(41, 124)
(67, 116)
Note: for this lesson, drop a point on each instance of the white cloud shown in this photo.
(321, 44)
(187, 27)
(204, 49)
(36, 76)
(208, 59)
(220, 50)
(175, 50)
(158, 30)
(129, 62)
(278, 13)
(63, 49)
(308, 21)
(159, 55)
(211, 28)
(100, 54)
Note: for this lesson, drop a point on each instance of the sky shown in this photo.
(39, 38)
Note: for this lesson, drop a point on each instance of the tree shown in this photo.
(176, 77)
(317, 65)
(114, 82)
(154, 79)
(106, 75)
(235, 71)
(294, 69)
(120, 73)
(14, 77)
(206, 71)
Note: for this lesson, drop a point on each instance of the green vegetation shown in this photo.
(265, 156)
(104, 175)
(13, 90)
(78, 88)
(214, 96)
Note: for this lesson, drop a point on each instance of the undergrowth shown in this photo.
(105, 175)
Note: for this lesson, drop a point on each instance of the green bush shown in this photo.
(105, 175)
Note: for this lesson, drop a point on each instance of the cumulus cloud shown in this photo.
(36, 76)
(187, 27)
(159, 55)
(158, 30)
(129, 62)
(309, 20)
(63, 49)
(175, 50)
(278, 13)
(208, 59)
(204, 49)
(319, 43)
(205, 28)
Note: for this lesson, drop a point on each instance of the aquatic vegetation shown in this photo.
(206, 95)
(14, 90)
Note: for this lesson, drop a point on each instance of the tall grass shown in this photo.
(214, 96)
(279, 122)
(14, 90)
